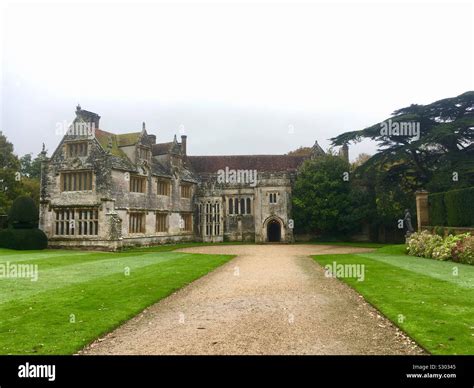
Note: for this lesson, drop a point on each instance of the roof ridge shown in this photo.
(245, 155)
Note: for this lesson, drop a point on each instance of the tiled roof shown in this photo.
(171, 147)
(271, 163)
(128, 139)
(108, 142)
(161, 148)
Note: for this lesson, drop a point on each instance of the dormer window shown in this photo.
(144, 153)
(76, 149)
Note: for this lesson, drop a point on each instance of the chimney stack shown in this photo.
(87, 117)
(183, 144)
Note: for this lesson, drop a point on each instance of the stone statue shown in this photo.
(407, 221)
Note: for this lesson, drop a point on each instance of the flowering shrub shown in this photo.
(463, 251)
(443, 250)
(458, 248)
(422, 244)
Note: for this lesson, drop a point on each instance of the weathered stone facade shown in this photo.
(106, 191)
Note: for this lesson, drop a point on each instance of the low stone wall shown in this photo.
(114, 245)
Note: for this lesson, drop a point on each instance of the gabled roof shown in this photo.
(161, 148)
(109, 142)
(128, 139)
(172, 147)
(270, 163)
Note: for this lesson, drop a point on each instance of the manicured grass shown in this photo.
(347, 244)
(432, 301)
(172, 247)
(80, 296)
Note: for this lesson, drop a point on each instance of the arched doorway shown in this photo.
(273, 231)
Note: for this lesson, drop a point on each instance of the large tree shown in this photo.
(444, 148)
(17, 176)
(10, 175)
(324, 202)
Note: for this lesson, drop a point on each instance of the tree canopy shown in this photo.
(324, 202)
(444, 146)
(18, 176)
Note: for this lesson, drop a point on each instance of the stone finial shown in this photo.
(78, 108)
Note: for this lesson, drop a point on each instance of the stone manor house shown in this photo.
(106, 191)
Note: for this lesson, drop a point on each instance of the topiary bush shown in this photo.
(23, 233)
(23, 213)
(23, 239)
(6, 237)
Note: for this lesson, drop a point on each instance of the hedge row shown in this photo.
(23, 239)
(437, 209)
(452, 208)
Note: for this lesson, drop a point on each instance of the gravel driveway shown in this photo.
(270, 299)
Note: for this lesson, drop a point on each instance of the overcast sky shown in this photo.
(240, 79)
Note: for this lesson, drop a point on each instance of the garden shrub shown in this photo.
(463, 252)
(459, 248)
(422, 244)
(439, 230)
(23, 233)
(443, 250)
(23, 213)
(451, 231)
(23, 239)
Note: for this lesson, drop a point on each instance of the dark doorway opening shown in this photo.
(274, 231)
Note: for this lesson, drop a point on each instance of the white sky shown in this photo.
(236, 76)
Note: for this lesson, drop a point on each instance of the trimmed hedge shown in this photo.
(452, 208)
(460, 207)
(23, 239)
(437, 209)
(23, 213)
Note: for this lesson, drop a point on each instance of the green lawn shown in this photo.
(346, 244)
(81, 295)
(424, 297)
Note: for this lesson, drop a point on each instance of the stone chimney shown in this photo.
(88, 117)
(183, 144)
(152, 139)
